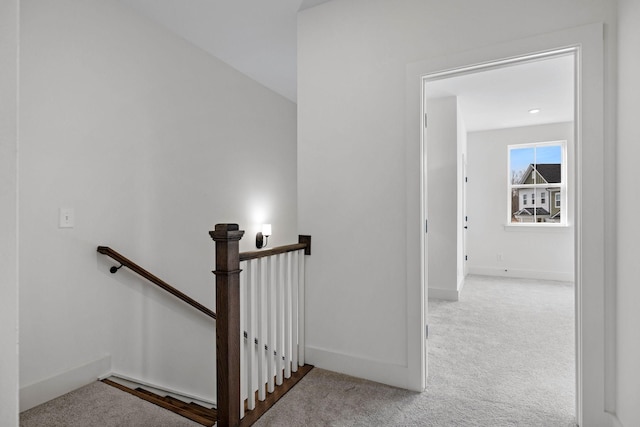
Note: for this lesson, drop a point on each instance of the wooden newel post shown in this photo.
(227, 238)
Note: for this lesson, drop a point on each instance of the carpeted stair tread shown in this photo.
(193, 407)
(202, 409)
(208, 417)
(162, 402)
(190, 406)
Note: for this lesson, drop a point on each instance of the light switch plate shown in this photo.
(67, 218)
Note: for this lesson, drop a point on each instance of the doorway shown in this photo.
(595, 363)
(472, 117)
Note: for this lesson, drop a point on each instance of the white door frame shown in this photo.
(594, 390)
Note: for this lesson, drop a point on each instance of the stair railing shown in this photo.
(126, 262)
(262, 293)
(271, 311)
(267, 303)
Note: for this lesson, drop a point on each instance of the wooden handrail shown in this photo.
(105, 250)
(245, 256)
(304, 243)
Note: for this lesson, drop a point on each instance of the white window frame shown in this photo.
(558, 201)
(562, 185)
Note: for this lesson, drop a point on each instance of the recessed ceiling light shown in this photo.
(534, 111)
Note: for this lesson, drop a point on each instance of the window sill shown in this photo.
(543, 227)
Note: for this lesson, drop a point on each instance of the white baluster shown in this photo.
(243, 342)
(301, 285)
(260, 329)
(271, 368)
(287, 315)
(294, 311)
(280, 320)
(250, 353)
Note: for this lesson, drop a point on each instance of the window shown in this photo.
(537, 168)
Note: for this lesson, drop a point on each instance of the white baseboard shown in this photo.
(522, 274)
(158, 389)
(444, 294)
(615, 421)
(43, 391)
(372, 370)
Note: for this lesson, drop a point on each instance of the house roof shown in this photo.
(529, 211)
(550, 172)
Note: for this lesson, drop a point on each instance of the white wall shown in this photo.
(442, 201)
(8, 213)
(353, 196)
(529, 252)
(628, 229)
(152, 142)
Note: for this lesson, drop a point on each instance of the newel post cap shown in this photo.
(226, 232)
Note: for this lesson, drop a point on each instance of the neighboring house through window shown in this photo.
(538, 168)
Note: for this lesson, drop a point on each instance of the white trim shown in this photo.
(444, 294)
(588, 43)
(615, 421)
(10, 78)
(562, 276)
(373, 370)
(157, 389)
(538, 227)
(43, 391)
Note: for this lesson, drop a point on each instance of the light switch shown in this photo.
(67, 218)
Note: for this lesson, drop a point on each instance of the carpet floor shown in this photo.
(501, 356)
(101, 405)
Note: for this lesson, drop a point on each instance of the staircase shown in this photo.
(266, 305)
(208, 416)
(197, 413)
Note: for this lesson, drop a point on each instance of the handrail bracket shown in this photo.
(114, 269)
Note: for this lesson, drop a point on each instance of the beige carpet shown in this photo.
(502, 356)
(100, 405)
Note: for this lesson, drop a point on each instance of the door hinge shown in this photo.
(425, 119)
(466, 179)
(426, 226)
(426, 331)
(466, 258)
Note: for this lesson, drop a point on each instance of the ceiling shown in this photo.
(258, 38)
(502, 97)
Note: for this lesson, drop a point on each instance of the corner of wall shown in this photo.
(42, 391)
(372, 370)
(444, 294)
(615, 421)
(9, 290)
